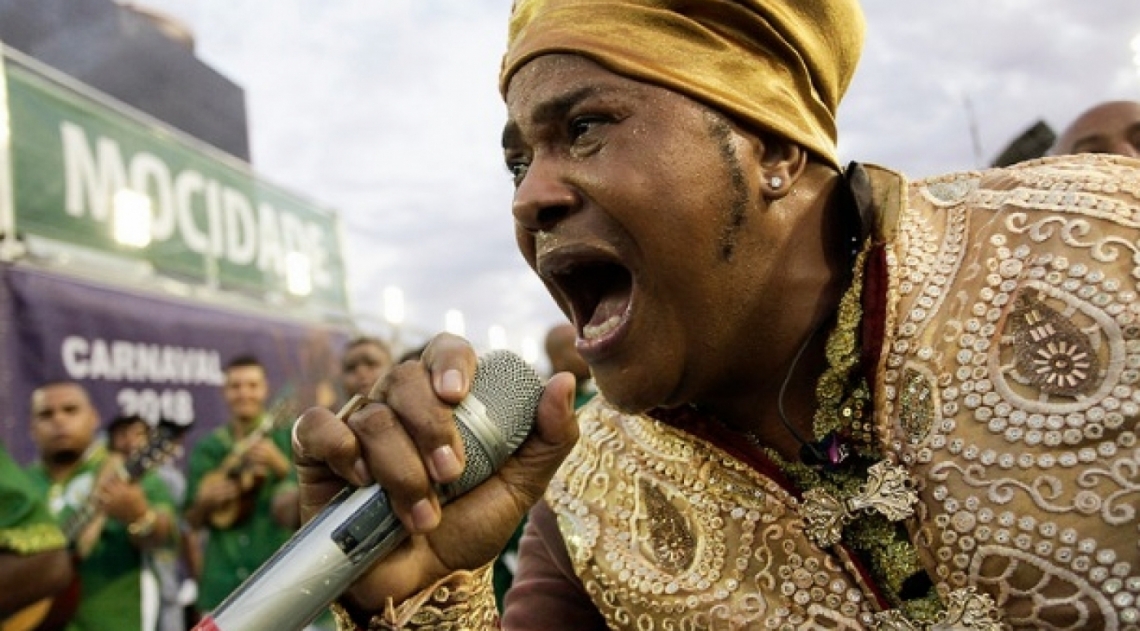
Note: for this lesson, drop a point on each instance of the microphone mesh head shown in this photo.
(509, 389)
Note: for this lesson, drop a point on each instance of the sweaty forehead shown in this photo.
(548, 88)
(551, 77)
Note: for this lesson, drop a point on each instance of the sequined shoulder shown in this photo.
(1009, 384)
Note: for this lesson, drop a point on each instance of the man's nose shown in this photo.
(543, 197)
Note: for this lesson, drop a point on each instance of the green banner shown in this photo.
(211, 219)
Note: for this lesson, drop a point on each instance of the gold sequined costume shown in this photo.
(1006, 389)
(996, 426)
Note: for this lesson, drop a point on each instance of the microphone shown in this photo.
(358, 527)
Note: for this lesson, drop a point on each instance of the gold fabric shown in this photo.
(462, 601)
(669, 532)
(1010, 385)
(1008, 388)
(781, 66)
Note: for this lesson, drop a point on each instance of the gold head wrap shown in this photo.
(779, 65)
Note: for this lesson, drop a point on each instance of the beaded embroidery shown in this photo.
(847, 495)
(1011, 379)
(966, 609)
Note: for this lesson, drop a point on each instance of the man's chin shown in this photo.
(629, 402)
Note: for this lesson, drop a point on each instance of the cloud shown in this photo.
(930, 70)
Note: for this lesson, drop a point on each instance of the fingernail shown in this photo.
(452, 382)
(445, 464)
(424, 517)
(362, 472)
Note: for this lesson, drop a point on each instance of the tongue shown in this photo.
(612, 306)
(607, 314)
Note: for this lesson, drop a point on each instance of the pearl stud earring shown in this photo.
(776, 181)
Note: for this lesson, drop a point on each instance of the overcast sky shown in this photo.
(387, 111)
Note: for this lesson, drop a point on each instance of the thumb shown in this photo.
(556, 424)
(554, 435)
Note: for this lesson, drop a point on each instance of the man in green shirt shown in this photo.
(242, 486)
(109, 514)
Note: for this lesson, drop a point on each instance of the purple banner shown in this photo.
(156, 357)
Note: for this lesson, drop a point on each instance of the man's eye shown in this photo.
(517, 169)
(582, 125)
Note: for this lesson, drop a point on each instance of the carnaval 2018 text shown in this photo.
(155, 372)
(232, 230)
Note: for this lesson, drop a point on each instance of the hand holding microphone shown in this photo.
(436, 437)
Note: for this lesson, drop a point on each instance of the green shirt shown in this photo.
(111, 597)
(233, 554)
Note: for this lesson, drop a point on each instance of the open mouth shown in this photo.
(598, 294)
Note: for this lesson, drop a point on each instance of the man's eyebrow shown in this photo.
(552, 110)
(511, 135)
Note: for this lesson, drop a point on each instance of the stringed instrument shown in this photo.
(83, 528)
(237, 467)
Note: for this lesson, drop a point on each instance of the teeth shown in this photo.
(594, 331)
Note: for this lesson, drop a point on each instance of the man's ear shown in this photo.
(781, 165)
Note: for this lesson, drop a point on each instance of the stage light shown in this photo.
(131, 218)
(496, 337)
(453, 322)
(394, 305)
(298, 274)
(530, 350)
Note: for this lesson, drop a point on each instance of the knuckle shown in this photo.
(401, 377)
(410, 482)
(374, 421)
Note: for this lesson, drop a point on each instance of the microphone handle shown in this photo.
(314, 567)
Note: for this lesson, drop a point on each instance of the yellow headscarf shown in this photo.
(782, 65)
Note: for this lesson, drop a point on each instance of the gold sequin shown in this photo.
(916, 406)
